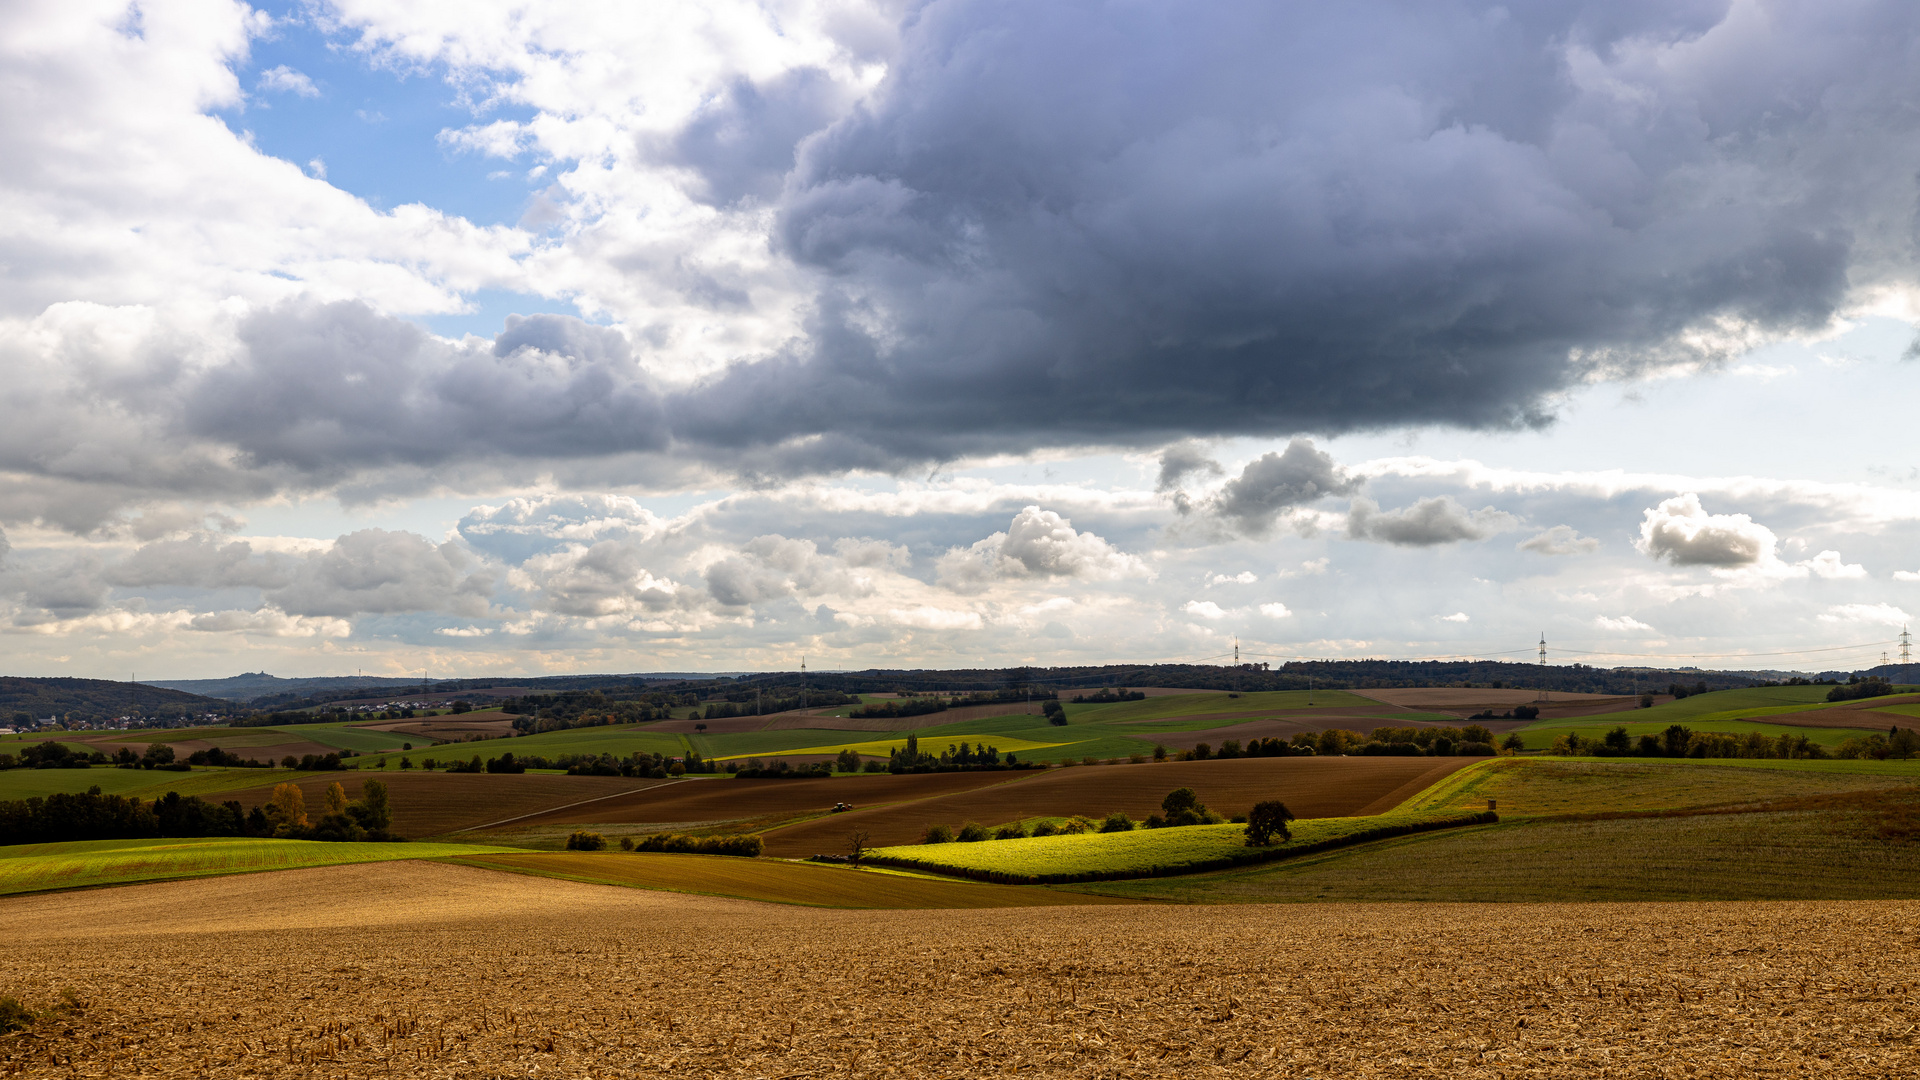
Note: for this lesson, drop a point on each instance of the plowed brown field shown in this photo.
(414, 970)
(1465, 702)
(724, 799)
(433, 803)
(1311, 787)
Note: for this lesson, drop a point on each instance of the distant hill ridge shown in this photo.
(97, 698)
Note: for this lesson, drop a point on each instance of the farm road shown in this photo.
(440, 971)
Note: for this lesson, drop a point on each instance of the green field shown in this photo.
(1148, 852)
(1727, 711)
(345, 737)
(1199, 704)
(881, 748)
(1558, 786)
(140, 783)
(1804, 855)
(40, 867)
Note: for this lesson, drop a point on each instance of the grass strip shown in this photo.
(1063, 860)
(31, 868)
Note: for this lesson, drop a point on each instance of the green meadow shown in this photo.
(39, 867)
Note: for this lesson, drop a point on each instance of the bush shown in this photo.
(1476, 749)
(972, 833)
(1154, 821)
(745, 847)
(937, 834)
(1076, 825)
(14, 1016)
(1046, 828)
(626, 843)
(1117, 821)
(586, 841)
(1010, 832)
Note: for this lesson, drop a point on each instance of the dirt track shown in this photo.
(1311, 787)
(417, 970)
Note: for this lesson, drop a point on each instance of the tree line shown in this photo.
(94, 816)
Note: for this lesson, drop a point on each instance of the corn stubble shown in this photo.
(689, 986)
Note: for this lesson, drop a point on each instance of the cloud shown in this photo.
(1906, 575)
(1274, 483)
(1438, 520)
(1275, 610)
(377, 571)
(1456, 617)
(1244, 577)
(1883, 614)
(1830, 566)
(1181, 460)
(1680, 531)
(1038, 543)
(285, 80)
(269, 622)
(1559, 540)
(1205, 609)
(1623, 623)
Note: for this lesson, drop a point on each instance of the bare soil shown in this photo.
(725, 799)
(433, 803)
(419, 970)
(1311, 787)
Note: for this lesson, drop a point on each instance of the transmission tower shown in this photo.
(1906, 653)
(1236, 651)
(1543, 666)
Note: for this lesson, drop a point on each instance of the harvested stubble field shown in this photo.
(1312, 787)
(451, 971)
(427, 804)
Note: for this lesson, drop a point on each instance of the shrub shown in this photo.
(586, 841)
(1075, 825)
(1154, 821)
(937, 834)
(1046, 828)
(1159, 752)
(1476, 749)
(14, 1016)
(1267, 820)
(972, 833)
(745, 846)
(1010, 832)
(626, 843)
(1117, 821)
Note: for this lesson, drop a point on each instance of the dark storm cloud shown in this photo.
(1087, 223)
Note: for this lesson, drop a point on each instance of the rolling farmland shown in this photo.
(26, 868)
(366, 970)
(1154, 852)
(806, 884)
(1312, 787)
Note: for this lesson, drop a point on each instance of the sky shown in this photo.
(515, 339)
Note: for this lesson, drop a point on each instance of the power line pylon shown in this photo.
(1543, 667)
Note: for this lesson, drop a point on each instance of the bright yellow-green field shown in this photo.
(1151, 852)
(40, 867)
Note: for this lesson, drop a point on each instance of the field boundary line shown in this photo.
(567, 806)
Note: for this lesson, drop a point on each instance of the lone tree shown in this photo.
(857, 846)
(1266, 821)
